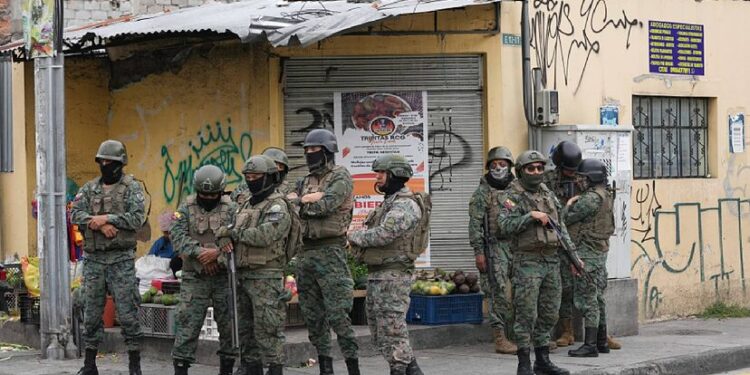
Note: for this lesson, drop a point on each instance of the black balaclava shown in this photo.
(111, 173)
(208, 204)
(261, 188)
(392, 185)
(319, 159)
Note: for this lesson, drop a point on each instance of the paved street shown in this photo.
(691, 346)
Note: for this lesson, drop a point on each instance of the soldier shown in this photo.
(524, 217)
(484, 204)
(259, 238)
(282, 163)
(565, 183)
(389, 246)
(204, 281)
(591, 222)
(324, 282)
(110, 209)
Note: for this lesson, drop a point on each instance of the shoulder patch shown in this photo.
(176, 215)
(509, 204)
(275, 208)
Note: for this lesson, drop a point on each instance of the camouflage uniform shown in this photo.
(193, 229)
(389, 281)
(323, 278)
(535, 271)
(260, 234)
(564, 188)
(108, 263)
(482, 202)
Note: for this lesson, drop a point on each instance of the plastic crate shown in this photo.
(450, 309)
(157, 320)
(294, 315)
(29, 307)
(358, 315)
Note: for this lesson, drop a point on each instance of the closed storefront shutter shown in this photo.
(454, 101)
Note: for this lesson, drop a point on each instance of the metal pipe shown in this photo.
(528, 100)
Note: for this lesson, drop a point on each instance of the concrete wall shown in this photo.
(81, 12)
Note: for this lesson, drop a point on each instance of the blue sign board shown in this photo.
(675, 48)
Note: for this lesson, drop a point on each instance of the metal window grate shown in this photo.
(671, 137)
(6, 116)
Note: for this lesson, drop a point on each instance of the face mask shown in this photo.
(315, 160)
(499, 173)
(111, 173)
(392, 186)
(531, 181)
(208, 204)
(255, 186)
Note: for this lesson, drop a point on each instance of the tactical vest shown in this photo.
(104, 202)
(333, 226)
(493, 210)
(601, 226)
(203, 224)
(407, 244)
(536, 238)
(249, 216)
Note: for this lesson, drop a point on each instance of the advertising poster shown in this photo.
(371, 124)
(676, 48)
(737, 133)
(38, 27)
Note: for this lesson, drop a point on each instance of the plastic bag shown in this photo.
(151, 267)
(30, 267)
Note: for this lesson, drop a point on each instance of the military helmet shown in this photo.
(594, 169)
(321, 137)
(567, 155)
(209, 179)
(112, 150)
(528, 157)
(499, 153)
(393, 163)
(278, 155)
(260, 164)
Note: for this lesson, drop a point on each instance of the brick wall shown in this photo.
(78, 12)
(5, 21)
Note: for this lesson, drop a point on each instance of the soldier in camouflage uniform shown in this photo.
(258, 239)
(565, 183)
(204, 280)
(484, 205)
(389, 246)
(591, 222)
(324, 281)
(524, 216)
(110, 209)
(282, 163)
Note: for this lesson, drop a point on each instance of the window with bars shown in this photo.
(671, 137)
(6, 116)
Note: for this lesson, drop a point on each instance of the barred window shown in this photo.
(671, 137)
(6, 117)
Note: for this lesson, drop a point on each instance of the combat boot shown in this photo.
(134, 362)
(543, 365)
(413, 368)
(524, 362)
(613, 344)
(275, 369)
(181, 368)
(326, 365)
(602, 344)
(567, 337)
(352, 366)
(589, 347)
(89, 363)
(249, 368)
(226, 365)
(502, 344)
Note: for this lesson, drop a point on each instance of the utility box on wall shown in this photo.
(613, 146)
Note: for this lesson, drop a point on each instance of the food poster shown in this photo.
(371, 124)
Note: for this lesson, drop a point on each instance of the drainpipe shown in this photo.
(528, 100)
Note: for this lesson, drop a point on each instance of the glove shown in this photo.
(223, 232)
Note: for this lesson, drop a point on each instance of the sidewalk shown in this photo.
(690, 346)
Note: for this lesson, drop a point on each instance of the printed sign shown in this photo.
(38, 27)
(371, 124)
(737, 133)
(675, 48)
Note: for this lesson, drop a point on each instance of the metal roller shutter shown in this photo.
(454, 96)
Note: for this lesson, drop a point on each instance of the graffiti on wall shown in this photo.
(448, 150)
(706, 244)
(218, 144)
(565, 36)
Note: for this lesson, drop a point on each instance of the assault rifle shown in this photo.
(489, 240)
(232, 275)
(570, 253)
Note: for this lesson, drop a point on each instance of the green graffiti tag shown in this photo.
(215, 145)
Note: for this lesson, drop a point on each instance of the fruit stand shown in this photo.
(438, 298)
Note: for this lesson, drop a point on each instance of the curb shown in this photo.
(703, 363)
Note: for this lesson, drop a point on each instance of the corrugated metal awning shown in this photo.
(284, 23)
